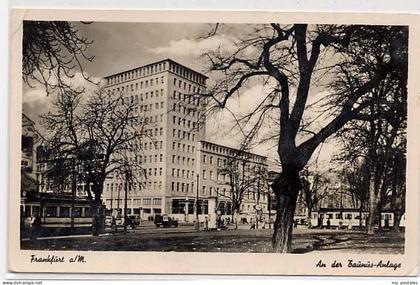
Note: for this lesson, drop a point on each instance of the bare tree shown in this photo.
(101, 134)
(377, 138)
(288, 58)
(242, 179)
(51, 54)
(315, 187)
(355, 175)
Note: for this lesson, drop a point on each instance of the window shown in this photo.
(64, 212)
(204, 174)
(157, 201)
(51, 211)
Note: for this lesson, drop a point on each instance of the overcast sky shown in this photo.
(122, 46)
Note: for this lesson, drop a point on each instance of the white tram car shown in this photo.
(349, 218)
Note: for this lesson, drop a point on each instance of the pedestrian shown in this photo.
(328, 223)
(252, 224)
(206, 228)
(34, 225)
(263, 224)
(113, 225)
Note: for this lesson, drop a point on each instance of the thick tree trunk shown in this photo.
(97, 211)
(373, 210)
(309, 217)
(97, 218)
(397, 221)
(235, 215)
(286, 189)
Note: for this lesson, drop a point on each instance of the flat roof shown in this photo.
(231, 148)
(153, 63)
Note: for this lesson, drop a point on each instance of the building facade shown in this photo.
(168, 96)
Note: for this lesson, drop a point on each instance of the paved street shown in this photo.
(185, 238)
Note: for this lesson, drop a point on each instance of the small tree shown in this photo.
(100, 134)
(314, 188)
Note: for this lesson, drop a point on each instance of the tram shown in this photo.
(54, 213)
(349, 218)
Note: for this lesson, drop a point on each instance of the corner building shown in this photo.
(167, 94)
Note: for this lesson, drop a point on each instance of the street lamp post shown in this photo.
(112, 198)
(126, 188)
(196, 207)
(258, 201)
(73, 197)
(269, 205)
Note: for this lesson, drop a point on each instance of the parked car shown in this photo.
(133, 220)
(165, 221)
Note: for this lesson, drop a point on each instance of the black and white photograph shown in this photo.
(276, 137)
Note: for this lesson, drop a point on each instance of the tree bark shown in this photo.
(397, 221)
(286, 188)
(373, 208)
(97, 211)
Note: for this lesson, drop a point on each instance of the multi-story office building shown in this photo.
(223, 169)
(168, 95)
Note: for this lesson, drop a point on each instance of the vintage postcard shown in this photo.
(214, 143)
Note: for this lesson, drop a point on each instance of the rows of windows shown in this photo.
(183, 147)
(151, 158)
(233, 152)
(181, 160)
(183, 135)
(155, 68)
(222, 177)
(139, 72)
(154, 132)
(135, 187)
(182, 206)
(135, 202)
(154, 172)
(247, 166)
(182, 173)
(223, 192)
(186, 86)
(185, 110)
(152, 119)
(151, 107)
(186, 98)
(135, 98)
(193, 76)
(152, 145)
(182, 187)
(65, 211)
